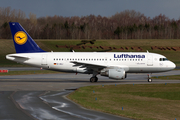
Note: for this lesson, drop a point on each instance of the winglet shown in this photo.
(22, 40)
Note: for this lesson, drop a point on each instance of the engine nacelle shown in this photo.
(114, 73)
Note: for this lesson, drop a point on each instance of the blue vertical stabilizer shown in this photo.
(22, 41)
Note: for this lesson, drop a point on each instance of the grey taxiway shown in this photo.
(42, 97)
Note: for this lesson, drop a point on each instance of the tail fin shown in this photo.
(22, 41)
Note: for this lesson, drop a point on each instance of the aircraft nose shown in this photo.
(173, 66)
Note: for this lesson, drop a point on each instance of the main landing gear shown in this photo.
(149, 78)
(94, 78)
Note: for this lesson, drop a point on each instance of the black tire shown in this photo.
(93, 79)
(96, 79)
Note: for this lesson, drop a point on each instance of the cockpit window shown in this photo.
(163, 59)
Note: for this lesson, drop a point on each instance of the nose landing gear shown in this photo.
(149, 78)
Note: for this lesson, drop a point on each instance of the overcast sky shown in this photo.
(42, 8)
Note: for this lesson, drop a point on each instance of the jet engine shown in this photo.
(117, 74)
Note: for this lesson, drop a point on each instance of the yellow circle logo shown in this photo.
(20, 37)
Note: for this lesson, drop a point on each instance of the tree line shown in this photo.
(127, 24)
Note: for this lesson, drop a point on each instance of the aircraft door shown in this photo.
(44, 60)
(150, 60)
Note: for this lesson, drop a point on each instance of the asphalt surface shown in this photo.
(19, 68)
(42, 97)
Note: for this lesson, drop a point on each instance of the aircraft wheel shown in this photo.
(96, 79)
(93, 79)
(149, 80)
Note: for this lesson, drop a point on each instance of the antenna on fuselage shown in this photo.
(71, 49)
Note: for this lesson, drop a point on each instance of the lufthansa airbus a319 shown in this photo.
(114, 65)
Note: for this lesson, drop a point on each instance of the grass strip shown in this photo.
(141, 102)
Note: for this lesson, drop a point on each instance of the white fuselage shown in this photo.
(131, 62)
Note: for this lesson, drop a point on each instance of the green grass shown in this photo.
(142, 102)
(7, 47)
(28, 72)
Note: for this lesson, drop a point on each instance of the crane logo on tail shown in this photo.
(20, 37)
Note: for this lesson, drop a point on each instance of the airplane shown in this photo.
(114, 65)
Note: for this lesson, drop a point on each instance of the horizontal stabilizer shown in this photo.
(16, 56)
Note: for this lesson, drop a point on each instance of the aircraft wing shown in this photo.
(98, 67)
(89, 66)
